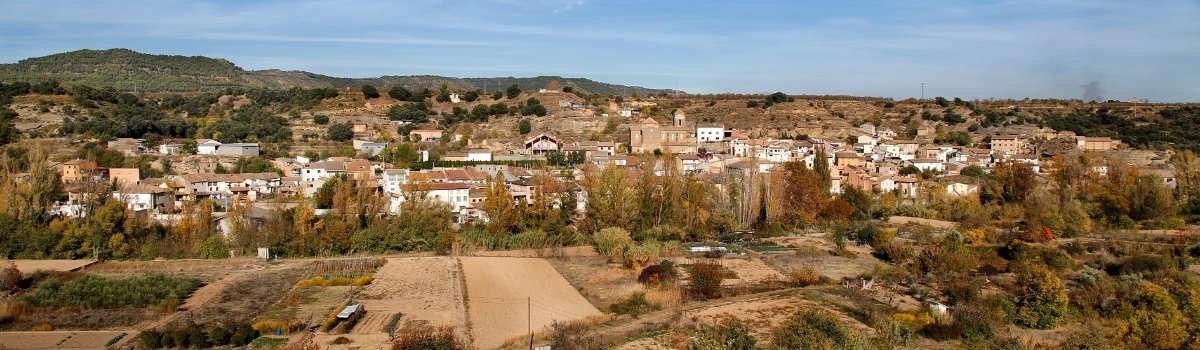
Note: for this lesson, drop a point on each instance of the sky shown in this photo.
(974, 49)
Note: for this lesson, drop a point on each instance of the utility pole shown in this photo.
(529, 319)
(922, 91)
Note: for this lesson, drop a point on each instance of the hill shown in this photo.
(129, 70)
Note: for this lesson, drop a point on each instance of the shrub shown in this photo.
(662, 273)
(572, 336)
(805, 276)
(321, 119)
(333, 281)
(106, 293)
(810, 329)
(440, 339)
(706, 280)
(634, 306)
(612, 241)
(1041, 299)
(733, 335)
(10, 278)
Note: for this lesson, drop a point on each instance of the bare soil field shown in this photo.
(500, 291)
(750, 271)
(30, 266)
(601, 283)
(242, 297)
(427, 290)
(814, 252)
(59, 339)
(208, 270)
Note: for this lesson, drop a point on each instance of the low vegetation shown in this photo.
(92, 291)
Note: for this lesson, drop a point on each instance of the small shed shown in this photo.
(349, 311)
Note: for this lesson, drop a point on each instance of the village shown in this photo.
(870, 158)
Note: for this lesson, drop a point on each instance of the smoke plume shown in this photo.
(1092, 91)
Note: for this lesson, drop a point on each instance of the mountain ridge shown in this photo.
(129, 70)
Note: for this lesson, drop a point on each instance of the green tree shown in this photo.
(1041, 298)
(524, 127)
(370, 92)
(513, 91)
(821, 167)
(341, 132)
(972, 171)
(400, 93)
(320, 119)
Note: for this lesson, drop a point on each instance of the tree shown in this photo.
(471, 96)
(524, 127)
(821, 167)
(497, 95)
(412, 112)
(402, 155)
(1041, 298)
(972, 170)
(1155, 321)
(370, 92)
(320, 119)
(568, 89)
(400, 93)
(443, 93)
(341, 132)
(706, 280)
(513, 91)
(498, 206)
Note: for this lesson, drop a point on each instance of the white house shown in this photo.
(169, 148)
(710, 132)
(369, 148)
(393, 179)
(625, 112)
(479, 155)
(214, 147)
(926, 164)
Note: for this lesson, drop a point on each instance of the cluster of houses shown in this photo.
(873, 159)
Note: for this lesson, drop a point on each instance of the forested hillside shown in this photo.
(128, 70)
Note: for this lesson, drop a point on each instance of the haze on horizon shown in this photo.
(1091, 49)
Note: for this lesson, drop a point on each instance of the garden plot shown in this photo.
(500, 291)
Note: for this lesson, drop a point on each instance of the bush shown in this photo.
(706, 280)
(440, 339)
(321, 119)
(733, 335)
(106, 293)
(612, 241)
(634, 306)
(811, 329)
(805, 276)
(572, 336)
(662, 273)
(1041, 299)
(10, 278)
(341, 132)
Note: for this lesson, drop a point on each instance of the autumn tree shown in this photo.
(610, 201)
(1155, 321)
(498, 207)
(1041, 298)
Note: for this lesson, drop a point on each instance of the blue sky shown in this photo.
(971, 49)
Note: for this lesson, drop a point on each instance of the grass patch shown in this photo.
(110, 293)
(269, 342)
(331, 281)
